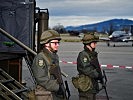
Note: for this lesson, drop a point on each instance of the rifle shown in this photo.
(67, 90)
(64, 90)
(95, 63)
(104, 86)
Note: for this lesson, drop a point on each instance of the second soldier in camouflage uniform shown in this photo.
(87, 64)
(46, 67)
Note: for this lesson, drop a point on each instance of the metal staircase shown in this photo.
(10, 89)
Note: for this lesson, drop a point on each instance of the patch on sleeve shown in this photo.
(85, 59)
(40, 62)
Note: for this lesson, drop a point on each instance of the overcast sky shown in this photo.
(80, 12)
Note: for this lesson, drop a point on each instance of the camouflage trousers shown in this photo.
(87, 96)
(40, 94)
(55, 97)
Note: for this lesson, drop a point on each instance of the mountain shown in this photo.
(116, 24)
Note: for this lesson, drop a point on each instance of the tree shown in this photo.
(111, 28)
(59, 28)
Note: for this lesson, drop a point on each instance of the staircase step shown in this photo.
(17, 91)
(10, 89)
(6, 81)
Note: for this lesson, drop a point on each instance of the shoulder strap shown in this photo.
(48, 60)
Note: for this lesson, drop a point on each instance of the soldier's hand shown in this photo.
(103, 85)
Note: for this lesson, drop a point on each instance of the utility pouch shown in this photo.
(31, 95)
(82, 82)
(42, 94)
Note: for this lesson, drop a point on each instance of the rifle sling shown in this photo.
(48, 60)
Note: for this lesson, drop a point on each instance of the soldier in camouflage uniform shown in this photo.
(46, 69)
(87, 64)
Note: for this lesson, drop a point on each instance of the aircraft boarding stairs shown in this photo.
(10, 89)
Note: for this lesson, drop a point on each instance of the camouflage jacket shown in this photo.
(41, 70)
(87, 64)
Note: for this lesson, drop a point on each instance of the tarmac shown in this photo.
(116, 61)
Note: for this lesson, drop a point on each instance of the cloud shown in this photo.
(77, 12)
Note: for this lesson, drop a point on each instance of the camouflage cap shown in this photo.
(90, 37)
(49, 35)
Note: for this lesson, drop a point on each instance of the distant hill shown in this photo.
(117, 24)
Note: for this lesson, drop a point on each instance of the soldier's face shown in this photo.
(54, 44)
(93, 44)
